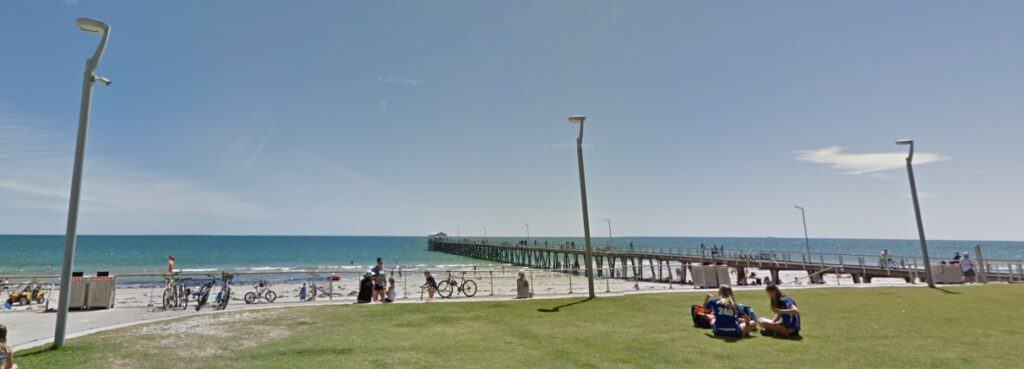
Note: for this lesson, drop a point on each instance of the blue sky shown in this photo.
(704, 118)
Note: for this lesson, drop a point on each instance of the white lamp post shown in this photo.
(578, 119)
(102, 29)
(609, 221)
(807, 241)
(527, 232)
(917, 212)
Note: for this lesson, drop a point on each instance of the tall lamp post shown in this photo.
(917, 211)
(588, 257)
(527, 232)
(807, 241)
(485, 233)
(609, 230)
(89, 77)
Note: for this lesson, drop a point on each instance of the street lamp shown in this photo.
(89, 77)
(609, 230)
(807, 241)
(485, 232)
(527, 232)
(578, 119)
(917, 211)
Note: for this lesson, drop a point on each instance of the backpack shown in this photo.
(700, 317)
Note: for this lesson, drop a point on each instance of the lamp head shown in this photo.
(798, 207)
(92, 26)
(577, 119)
(905, 142)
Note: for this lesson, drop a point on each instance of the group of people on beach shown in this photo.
(376, 286)
(729, 319)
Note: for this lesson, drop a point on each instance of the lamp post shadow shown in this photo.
(559, 307)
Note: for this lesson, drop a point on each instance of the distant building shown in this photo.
(439, 235)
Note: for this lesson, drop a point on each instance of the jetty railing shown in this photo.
(861, 266)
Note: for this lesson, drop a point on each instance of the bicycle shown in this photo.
(175, 294)
(204, 293)
(262, 292)
(450, 285)
(225, 291)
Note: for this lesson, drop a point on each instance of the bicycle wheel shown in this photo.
(445, 289)
(270, 296)
(250, 298)
(469, 288)
(168, 298)
(225, 296)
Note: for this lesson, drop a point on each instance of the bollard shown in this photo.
(531, 283)
(492, 281)
(979, 265)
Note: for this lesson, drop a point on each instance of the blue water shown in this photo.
(34, 255)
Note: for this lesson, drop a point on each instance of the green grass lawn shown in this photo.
(843, 328)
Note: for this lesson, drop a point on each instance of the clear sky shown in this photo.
(705, 118)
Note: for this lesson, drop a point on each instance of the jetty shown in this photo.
(672, 264)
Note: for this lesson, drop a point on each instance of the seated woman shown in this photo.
(365, 294)
(730, 318)
(786, 322)
(6, 354)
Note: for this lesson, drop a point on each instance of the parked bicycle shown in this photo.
(224, 296)
(175, 293)
(449, 286)
(203, 294)
(262, 292)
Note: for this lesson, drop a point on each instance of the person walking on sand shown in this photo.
(6, 354)
(430, 286)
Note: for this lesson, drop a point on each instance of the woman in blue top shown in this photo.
(786, 322)
(730, 319)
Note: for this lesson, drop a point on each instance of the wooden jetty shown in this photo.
(671, 264)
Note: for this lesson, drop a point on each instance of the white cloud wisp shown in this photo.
(857, 164)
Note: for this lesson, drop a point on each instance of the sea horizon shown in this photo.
(43, 254)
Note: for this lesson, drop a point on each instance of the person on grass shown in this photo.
(786, 322)
(6, 354)
(365, 294)
(392, 294)
(379, 281)
(730, 318)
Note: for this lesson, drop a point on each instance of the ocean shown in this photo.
(41, 255)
